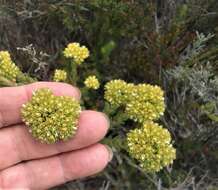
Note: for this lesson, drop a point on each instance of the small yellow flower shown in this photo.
(151, 146)
(60, 75)
(7, 68)
(76, 52)
(92, 82)
(51, 118)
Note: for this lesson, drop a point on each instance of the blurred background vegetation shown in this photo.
(172, 43)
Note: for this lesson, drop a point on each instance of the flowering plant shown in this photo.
(51, 118)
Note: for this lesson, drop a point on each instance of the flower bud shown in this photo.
(7, 68)
(76, 52)
(60, 75)
(92, 82)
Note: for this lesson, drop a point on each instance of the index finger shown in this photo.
(12, 98)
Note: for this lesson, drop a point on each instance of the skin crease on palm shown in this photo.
(28, 164)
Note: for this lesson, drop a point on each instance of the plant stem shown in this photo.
(72, 72)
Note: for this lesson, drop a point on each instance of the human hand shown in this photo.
(28, 164)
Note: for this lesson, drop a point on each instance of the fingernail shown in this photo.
(107, 118)
(110, 151)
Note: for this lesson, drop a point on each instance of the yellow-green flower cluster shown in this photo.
(76, 52)
(92, 82)
(51, 118)
(151, 146)
(7, 68)
(146, 103)
(60, 75)
(118, 92)
(142, 102)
